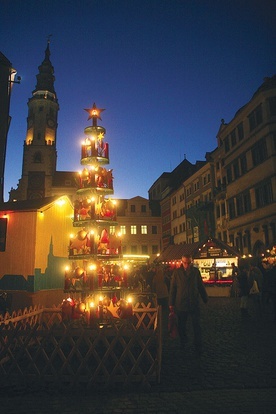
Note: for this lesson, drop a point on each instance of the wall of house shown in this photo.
(54, 226)
(34, 235)
(19, 255)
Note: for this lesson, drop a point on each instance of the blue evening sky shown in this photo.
(166, 71)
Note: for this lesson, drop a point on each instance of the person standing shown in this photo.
(235, 287)
(160, 287)
(269, 285)
(244, 290)
(185, 290)
(255, 276)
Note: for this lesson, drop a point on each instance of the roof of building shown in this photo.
(176, 251)
(29, 205)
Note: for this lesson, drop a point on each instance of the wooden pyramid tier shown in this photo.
(95, 212)
(89, 243)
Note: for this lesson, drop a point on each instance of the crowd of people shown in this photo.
(256, 283)
(180, 291)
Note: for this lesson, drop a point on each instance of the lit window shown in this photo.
(144, 229)
(112, 230)
(123, 229)
(133, 229)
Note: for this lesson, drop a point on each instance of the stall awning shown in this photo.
(211, 247)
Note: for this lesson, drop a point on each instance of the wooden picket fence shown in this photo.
(38, 347)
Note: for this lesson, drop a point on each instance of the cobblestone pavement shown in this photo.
(235, 373)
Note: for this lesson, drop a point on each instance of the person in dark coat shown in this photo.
(255, 276)
(185, 290)
(244, 290)
(269, 285)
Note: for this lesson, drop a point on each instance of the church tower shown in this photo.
(39, 153)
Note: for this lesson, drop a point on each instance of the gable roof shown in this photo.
(198, 250)
(30, 205)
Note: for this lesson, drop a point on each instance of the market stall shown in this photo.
(213, 257)
(214, 260)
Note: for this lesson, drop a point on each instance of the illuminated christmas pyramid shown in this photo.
(96, 246)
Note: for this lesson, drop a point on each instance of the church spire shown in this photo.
(45, 77)
(39, 154)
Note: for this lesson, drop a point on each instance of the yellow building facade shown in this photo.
(33, 233)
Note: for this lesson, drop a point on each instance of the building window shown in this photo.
(154, 249)
(231, 205)
(143, 208)
(37, 158)
(233, 138)
(144, 229)
(259, 152)
(173, 200)
(229, 175)
(246, 202)
(243, 203)
(133, 230)
(236, 169)
(144, 249)
(255, 118)
(123, 229)
(243, 162)
(112, 230)
(218, 211)
(133, 249)
(272, 105)
(196, 186)
(240, 131)
(3, 233)
(223, 210)
(226, 144)
(264, 194)
(239, 205)
(132, 208)
(174, 215)
(154, 230)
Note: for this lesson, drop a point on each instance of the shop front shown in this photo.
(213, 258)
